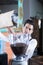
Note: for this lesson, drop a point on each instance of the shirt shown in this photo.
(32, 43)
(31, 47)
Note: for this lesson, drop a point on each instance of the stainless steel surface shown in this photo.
(20, 63)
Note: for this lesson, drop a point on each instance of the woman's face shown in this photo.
(28, 28)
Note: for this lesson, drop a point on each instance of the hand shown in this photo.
(11, 30)
(23, 30)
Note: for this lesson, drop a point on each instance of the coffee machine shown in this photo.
(19, 49)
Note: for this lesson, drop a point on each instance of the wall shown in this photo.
(6, 8)
(32, 8)
(26, 9)
(35, 8)
(42, 10)
(42, 36)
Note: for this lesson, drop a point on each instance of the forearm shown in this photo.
(10, 30)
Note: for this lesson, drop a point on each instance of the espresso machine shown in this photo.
(19, 50)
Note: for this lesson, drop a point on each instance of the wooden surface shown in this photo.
(38, 60)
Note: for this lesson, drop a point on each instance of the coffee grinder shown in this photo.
(19, 49)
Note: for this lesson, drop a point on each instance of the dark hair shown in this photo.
(28, 21)
(15, 13)
(14, 22)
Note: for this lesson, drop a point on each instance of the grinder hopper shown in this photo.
(19, 49)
